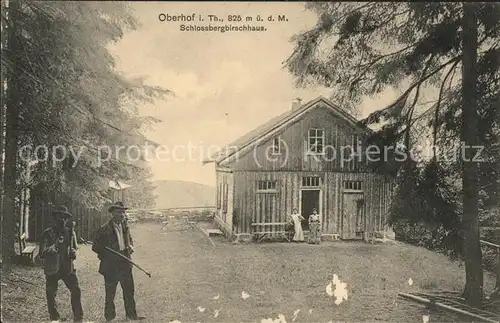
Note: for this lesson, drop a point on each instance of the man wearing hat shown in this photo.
(115, 235)
(58, 251)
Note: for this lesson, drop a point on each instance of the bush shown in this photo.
(446, 242)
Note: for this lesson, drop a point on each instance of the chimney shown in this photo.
(296, 103)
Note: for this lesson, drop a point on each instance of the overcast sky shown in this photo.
(226, 84)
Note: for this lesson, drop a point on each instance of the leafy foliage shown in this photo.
(72, 96)
(361, 49)
(380, 45)
(429, 205)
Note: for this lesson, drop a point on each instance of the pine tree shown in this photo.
(64, 90)
(361, 49)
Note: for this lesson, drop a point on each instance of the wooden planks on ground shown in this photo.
(453, 304)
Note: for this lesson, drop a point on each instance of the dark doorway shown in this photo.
(309, 201)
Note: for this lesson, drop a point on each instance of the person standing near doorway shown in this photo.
(58, 251)
(314, 227)
(297, 219)
(115, 234)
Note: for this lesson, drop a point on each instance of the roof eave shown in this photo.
(302, 109)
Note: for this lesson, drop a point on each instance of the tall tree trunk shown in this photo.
(473, 292)
(3, 79)
(497, 185)
(11, 137)
(497, 285)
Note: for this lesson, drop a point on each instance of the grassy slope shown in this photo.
(188, 271)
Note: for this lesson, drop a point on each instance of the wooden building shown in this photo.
(301, 159)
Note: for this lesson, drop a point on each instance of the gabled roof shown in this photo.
(278, 123)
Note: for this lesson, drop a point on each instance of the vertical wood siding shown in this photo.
(338, 140)
(253, 207)
(287, 169)
(225, 208)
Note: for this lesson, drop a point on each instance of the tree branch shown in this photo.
(403, 96)
(415, 100)
(438, 106)
(350, 12)
(373, 62)
(392, 16)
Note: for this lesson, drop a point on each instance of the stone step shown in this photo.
(213, 232)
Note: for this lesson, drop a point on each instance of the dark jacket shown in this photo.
(54, 249)
(111, 264)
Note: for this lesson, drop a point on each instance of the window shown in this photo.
(219, 196)
(266, 186)
(224, 199)
(311, 181)
(353, 185)
(356, 144)
(316, 141)
(276, 147)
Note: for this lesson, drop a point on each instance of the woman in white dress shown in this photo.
(297, 219)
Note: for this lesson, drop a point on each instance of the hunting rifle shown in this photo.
(71, 240)
(121, 256)
(127, 259)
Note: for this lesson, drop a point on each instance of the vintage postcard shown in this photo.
(265, 162)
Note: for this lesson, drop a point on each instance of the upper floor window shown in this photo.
(316, 141)
(276, 146)
(356, 143)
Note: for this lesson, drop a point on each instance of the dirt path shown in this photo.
(189, 273)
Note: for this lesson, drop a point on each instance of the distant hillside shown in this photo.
(179, 193)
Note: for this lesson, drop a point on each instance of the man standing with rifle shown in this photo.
(58, 251)
(115, 235)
